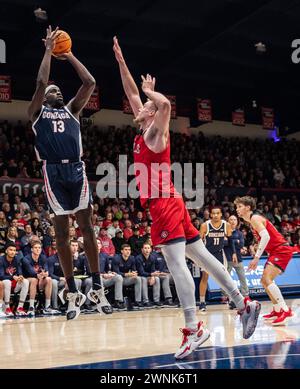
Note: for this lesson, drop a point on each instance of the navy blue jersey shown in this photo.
(54, 267)
(235, 243)
(104, 264)
(160, 262)
(120, 266)
(57, 134)
(214, 239)
(31, 267)
(9, 269)
(145, 266)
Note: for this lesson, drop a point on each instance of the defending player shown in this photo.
(279, 254)
(172, 228)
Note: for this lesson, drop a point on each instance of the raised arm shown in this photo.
(78, 102)
(163, 105)
(43, 75)
(130, 87)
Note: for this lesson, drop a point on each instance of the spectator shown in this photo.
(111, 230)
(118, 241)
(107, 244)
(145, 263)
(13, 280)
(109, 279)
(12, 238)
(28, 235)
(35, 268)
(234, 257)
(124, 264)
(136, 242)
(127, 232)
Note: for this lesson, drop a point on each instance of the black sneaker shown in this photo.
(168, 303)
(88, 308)
(31, 312)
(119, 306)
(50, 311)
(148, 305)
(202, 307)
(158, 304)
(137, 306)
(232, 305)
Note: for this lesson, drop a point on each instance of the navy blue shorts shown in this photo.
(67, 187)
(219, 256)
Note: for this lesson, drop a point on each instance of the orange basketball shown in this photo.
(63, 43)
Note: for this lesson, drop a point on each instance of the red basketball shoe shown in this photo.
(191, 340)
(271, 316)
(283, 317)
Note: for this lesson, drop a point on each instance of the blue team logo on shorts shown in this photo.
(164, 234)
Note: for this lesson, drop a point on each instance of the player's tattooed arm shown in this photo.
(43, 75)
(129, 85)
(78, 102)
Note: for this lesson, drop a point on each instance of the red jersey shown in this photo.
(157, 183)
(276, 239)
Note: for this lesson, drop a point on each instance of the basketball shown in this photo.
(63, 43)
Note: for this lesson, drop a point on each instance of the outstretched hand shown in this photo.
(49, 41)
(148, 83)
(117, 50)
(253, 264)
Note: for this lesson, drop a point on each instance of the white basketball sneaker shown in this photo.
(75, 301)
(98, 297)
(249, 316)
(191, 340)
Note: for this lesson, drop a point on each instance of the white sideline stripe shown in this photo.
(229, 358)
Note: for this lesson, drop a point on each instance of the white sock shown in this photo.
(202, 299)
(174, 255)
(277, 307)
(31, 303)
(6, 305)
(191, 321)
(47, 303)
(276, 294)
(199, 254)
(21, 304)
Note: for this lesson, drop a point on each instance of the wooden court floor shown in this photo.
(129, 336)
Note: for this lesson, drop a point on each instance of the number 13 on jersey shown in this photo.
(58, 126)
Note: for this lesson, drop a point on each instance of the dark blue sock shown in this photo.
(71, 285)
(96, 281)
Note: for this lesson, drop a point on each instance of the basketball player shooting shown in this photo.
(58, 145)
(172, 228)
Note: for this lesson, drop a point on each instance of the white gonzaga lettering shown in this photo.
(56, 115)
(2, 51)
